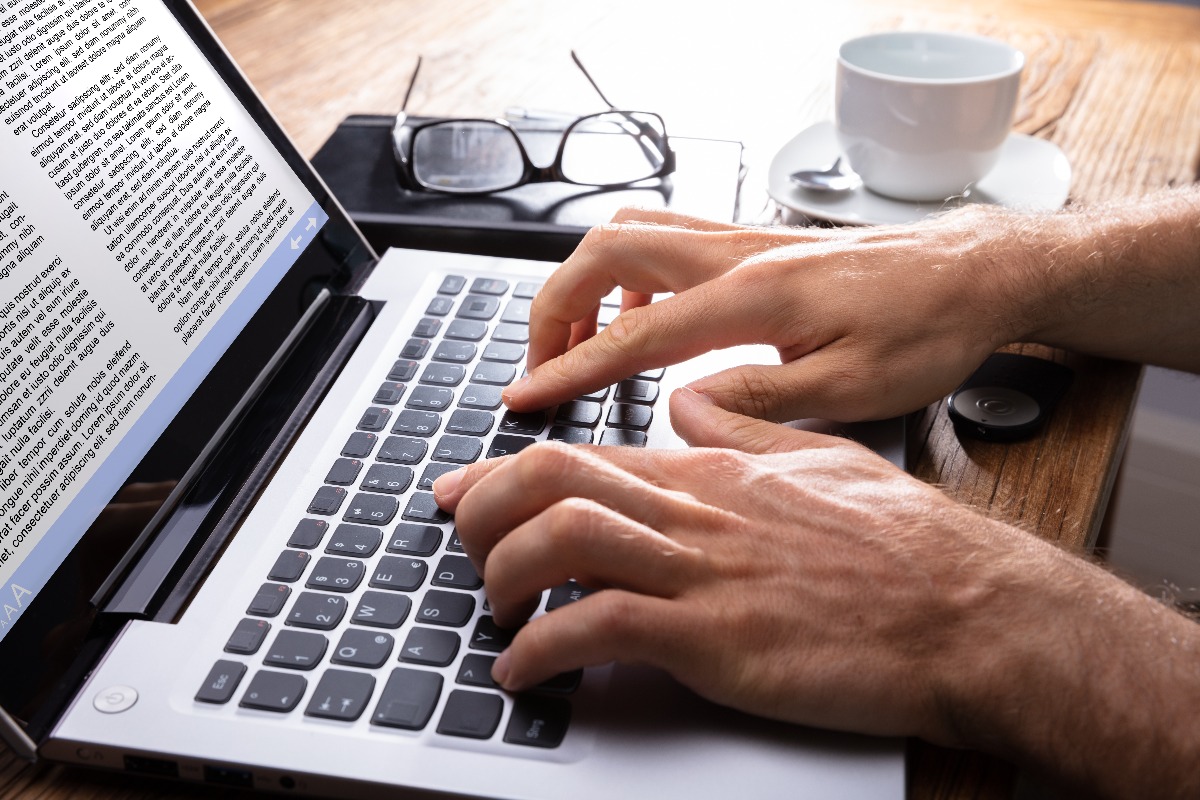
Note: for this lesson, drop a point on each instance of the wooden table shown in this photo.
(1112, 83)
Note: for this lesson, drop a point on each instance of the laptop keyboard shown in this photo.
(371, 609)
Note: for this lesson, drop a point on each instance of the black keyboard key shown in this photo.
(451, 609)
(651, 374)
(369, 649)
(479, 396)
(598, 396)
(296, 650)
(423, 508)
(289, 566)
(344, 471)
(336, 575)
(248, 636)
(634, 391)
(436, 374)
(476, 670)
(359, 445)
(478, 307)
(495, 286)
(402, 370)
(562, 683)
(528, 424)
(417, 423)
(566, 594)
(408, 699)
(430, 646)
(452, 352)
(388, 393)
(327, 500)
(439, 306)
(354, 540)
(399, 574)
(374, 419)
(427, 328)
(538, 721)
(625, 415)
(616, 437)
(308, 533)
(489, 637)
(571, 435)
(504, 352)
(415, 349)
(470, 422)
(452, 284)
(222, 681)
(371, 509)
(381, 610)
(493, 374)
(433, 471)
(402, 450)
(467, 330)
(526, 289)
(503, 445)
(517, 312)
(274, 691)
(320, 612)
(474, 715)
(511, 332)
(430, 398)
(456, 572)
(455, 543)
(269, 600)
(341, 695)
(387, 478)
(416, 540)
(579, 412)
(458, 449)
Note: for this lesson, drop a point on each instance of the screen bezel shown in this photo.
(55, 642)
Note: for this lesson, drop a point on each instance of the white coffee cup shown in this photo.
(924, 115)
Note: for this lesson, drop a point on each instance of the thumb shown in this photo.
(702, 423)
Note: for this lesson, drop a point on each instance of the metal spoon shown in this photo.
(833, 178)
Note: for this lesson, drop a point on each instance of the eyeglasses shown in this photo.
(607, 150)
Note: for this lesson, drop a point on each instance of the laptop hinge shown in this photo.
(14, 736)
(159, 582)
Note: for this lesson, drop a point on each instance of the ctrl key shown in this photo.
(222, 682)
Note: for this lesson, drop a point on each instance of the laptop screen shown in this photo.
(150, 216)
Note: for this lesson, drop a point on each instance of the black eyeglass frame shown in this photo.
(405, 132)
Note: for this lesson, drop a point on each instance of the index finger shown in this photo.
(641, 258)
(708, 317)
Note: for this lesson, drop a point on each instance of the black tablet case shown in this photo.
(542, 221)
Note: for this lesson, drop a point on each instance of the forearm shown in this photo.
(1085, 677)
(1120, 280)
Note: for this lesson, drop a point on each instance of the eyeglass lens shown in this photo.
(604, 149)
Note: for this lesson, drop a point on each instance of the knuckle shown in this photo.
(544, 458)
(625, 334)
(755, 393)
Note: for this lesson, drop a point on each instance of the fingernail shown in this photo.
(447, 484)
(695, 396)
(500, 668)
(515, 389)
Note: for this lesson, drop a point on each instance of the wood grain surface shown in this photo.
(1111, 83)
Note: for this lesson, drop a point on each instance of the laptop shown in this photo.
(221, 413)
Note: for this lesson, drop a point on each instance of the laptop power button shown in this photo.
(115, 699)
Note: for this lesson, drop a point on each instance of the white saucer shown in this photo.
(1032, 175)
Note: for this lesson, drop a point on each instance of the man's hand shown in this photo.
(868, 323)
(801, 577)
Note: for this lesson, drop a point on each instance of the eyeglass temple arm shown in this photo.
(643, 129)
(412, 82)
